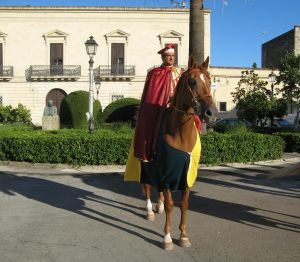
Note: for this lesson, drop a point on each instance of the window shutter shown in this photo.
(117, 58)
(56, 58)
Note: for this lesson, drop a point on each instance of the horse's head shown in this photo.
(198, 81)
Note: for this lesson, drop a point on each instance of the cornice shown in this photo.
(92, 9)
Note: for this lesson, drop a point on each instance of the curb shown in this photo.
(52, 168)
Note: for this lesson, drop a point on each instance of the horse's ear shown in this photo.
(191, 61)
(206, 63)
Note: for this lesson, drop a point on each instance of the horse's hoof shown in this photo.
(150, 216)
(167, 245)
(160, 207)
(184, 242)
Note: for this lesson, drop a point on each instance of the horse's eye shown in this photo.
(192, 82)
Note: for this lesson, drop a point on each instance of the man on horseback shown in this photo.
(159, 87)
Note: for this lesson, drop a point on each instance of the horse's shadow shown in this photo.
(238, 213)
(257, 180)
(242, 214)
(72, 199)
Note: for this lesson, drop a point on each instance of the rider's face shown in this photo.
(168, 59)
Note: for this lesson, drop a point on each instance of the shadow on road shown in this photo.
(225, 210)
(71, 199)
(238, 213)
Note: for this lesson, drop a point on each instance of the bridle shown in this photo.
(196, 104)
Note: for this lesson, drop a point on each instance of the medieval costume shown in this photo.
(142, 164)
(159, 87)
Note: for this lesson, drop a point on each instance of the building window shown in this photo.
(222, 106)
(116, 97)
(117, 42)
(56, 58)
(117, 58)
(55, 43)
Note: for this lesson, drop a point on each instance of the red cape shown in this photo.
(153, 104)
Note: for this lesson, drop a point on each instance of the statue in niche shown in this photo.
(50, 109)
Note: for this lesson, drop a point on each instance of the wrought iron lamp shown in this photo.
(91, 49)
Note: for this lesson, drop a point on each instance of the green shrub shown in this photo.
(111, 146)
(240, 147)
(238, 129)
(292, 141)
(75, 147)
(74, 108)
(20, 114)
(122, 110)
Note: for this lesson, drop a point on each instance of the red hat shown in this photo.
(170, 48)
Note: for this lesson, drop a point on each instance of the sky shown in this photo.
(238, 27)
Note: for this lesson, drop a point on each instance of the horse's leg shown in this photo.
(160, 203)
(184, 240)
(150, 213)
(169, 203)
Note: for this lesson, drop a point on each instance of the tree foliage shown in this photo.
(255, 102)
(289, 76)
(19, 114)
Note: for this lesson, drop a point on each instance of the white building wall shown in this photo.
(146, 31)
(226, 79)
(25, 45)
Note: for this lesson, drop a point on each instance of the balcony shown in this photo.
(114, 73)
(53, 73)
(6, 73)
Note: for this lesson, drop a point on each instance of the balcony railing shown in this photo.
(53, 72)
(6, 73)
(114, 72)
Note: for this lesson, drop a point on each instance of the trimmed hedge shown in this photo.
(104, 147)
(292, 141)
(73, 110)
(240, 148)
(75, 147)
(122, 110)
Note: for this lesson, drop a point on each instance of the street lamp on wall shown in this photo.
(272, 80)
(91, 49)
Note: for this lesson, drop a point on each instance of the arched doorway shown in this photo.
(57, 95)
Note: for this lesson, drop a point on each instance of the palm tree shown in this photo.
(196, 44)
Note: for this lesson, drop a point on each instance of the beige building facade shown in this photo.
(42, 53)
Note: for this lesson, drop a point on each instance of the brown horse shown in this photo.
(179, 136)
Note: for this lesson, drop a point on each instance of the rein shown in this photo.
(197, 104)
(183, 112)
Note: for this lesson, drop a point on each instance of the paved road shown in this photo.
(237, 213)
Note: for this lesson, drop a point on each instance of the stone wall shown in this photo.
(275, 49)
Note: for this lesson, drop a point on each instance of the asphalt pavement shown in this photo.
(59, 213)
